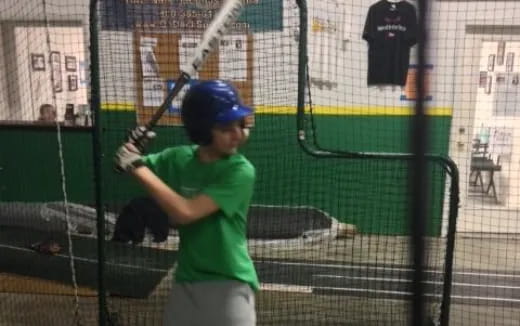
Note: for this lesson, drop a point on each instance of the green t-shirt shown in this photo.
(214, 247)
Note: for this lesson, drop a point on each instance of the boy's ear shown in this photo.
(245, 133)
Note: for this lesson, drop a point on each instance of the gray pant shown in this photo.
(212, 303)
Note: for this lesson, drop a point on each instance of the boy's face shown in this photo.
(227, 137)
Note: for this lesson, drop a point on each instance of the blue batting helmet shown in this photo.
(208, 103)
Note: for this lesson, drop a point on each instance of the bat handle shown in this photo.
(179, 84)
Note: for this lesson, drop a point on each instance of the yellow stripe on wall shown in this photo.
(353, 110)
(121, 106)
(319, 110)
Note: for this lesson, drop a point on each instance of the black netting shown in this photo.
(333, 87)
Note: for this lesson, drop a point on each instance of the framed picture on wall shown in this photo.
(500, 78)
(510, 61)
(501, 48)
(491, 62)
(70, 63)
(55, 63)
(37, 61)
(54, 58)
(482, 79)
(73, 83)
(489, 84)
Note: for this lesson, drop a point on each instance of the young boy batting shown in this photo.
(205, 189)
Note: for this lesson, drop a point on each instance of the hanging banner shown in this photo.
(187, 15)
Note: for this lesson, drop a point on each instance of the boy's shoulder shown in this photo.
(240, 162)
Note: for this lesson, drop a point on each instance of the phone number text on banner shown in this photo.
(187, 15)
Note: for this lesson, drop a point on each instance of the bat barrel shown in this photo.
(218, 27)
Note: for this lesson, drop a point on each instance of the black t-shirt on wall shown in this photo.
(390, 30)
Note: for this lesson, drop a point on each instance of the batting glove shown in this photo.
(127, 158)
(140, 136)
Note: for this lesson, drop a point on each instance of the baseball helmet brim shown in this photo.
(236, 112)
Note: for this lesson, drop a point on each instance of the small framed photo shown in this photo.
(500, 78)
(510, 61)
(491, 62)
(37, 61)
(489, 84)
(55, 64)
(54, 58)
(500, 52)
(73, 83)
(70, 63)
(482, 79)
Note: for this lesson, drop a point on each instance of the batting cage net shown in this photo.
(344, 92)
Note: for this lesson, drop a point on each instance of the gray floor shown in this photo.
(357, 282)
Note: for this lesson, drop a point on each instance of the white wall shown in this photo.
(19, 95)
(446, 47)
(35, 87)
(345, 53)
(54, 9)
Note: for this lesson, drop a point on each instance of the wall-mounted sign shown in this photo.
(187, 15)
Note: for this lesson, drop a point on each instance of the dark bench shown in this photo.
(484, 164)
